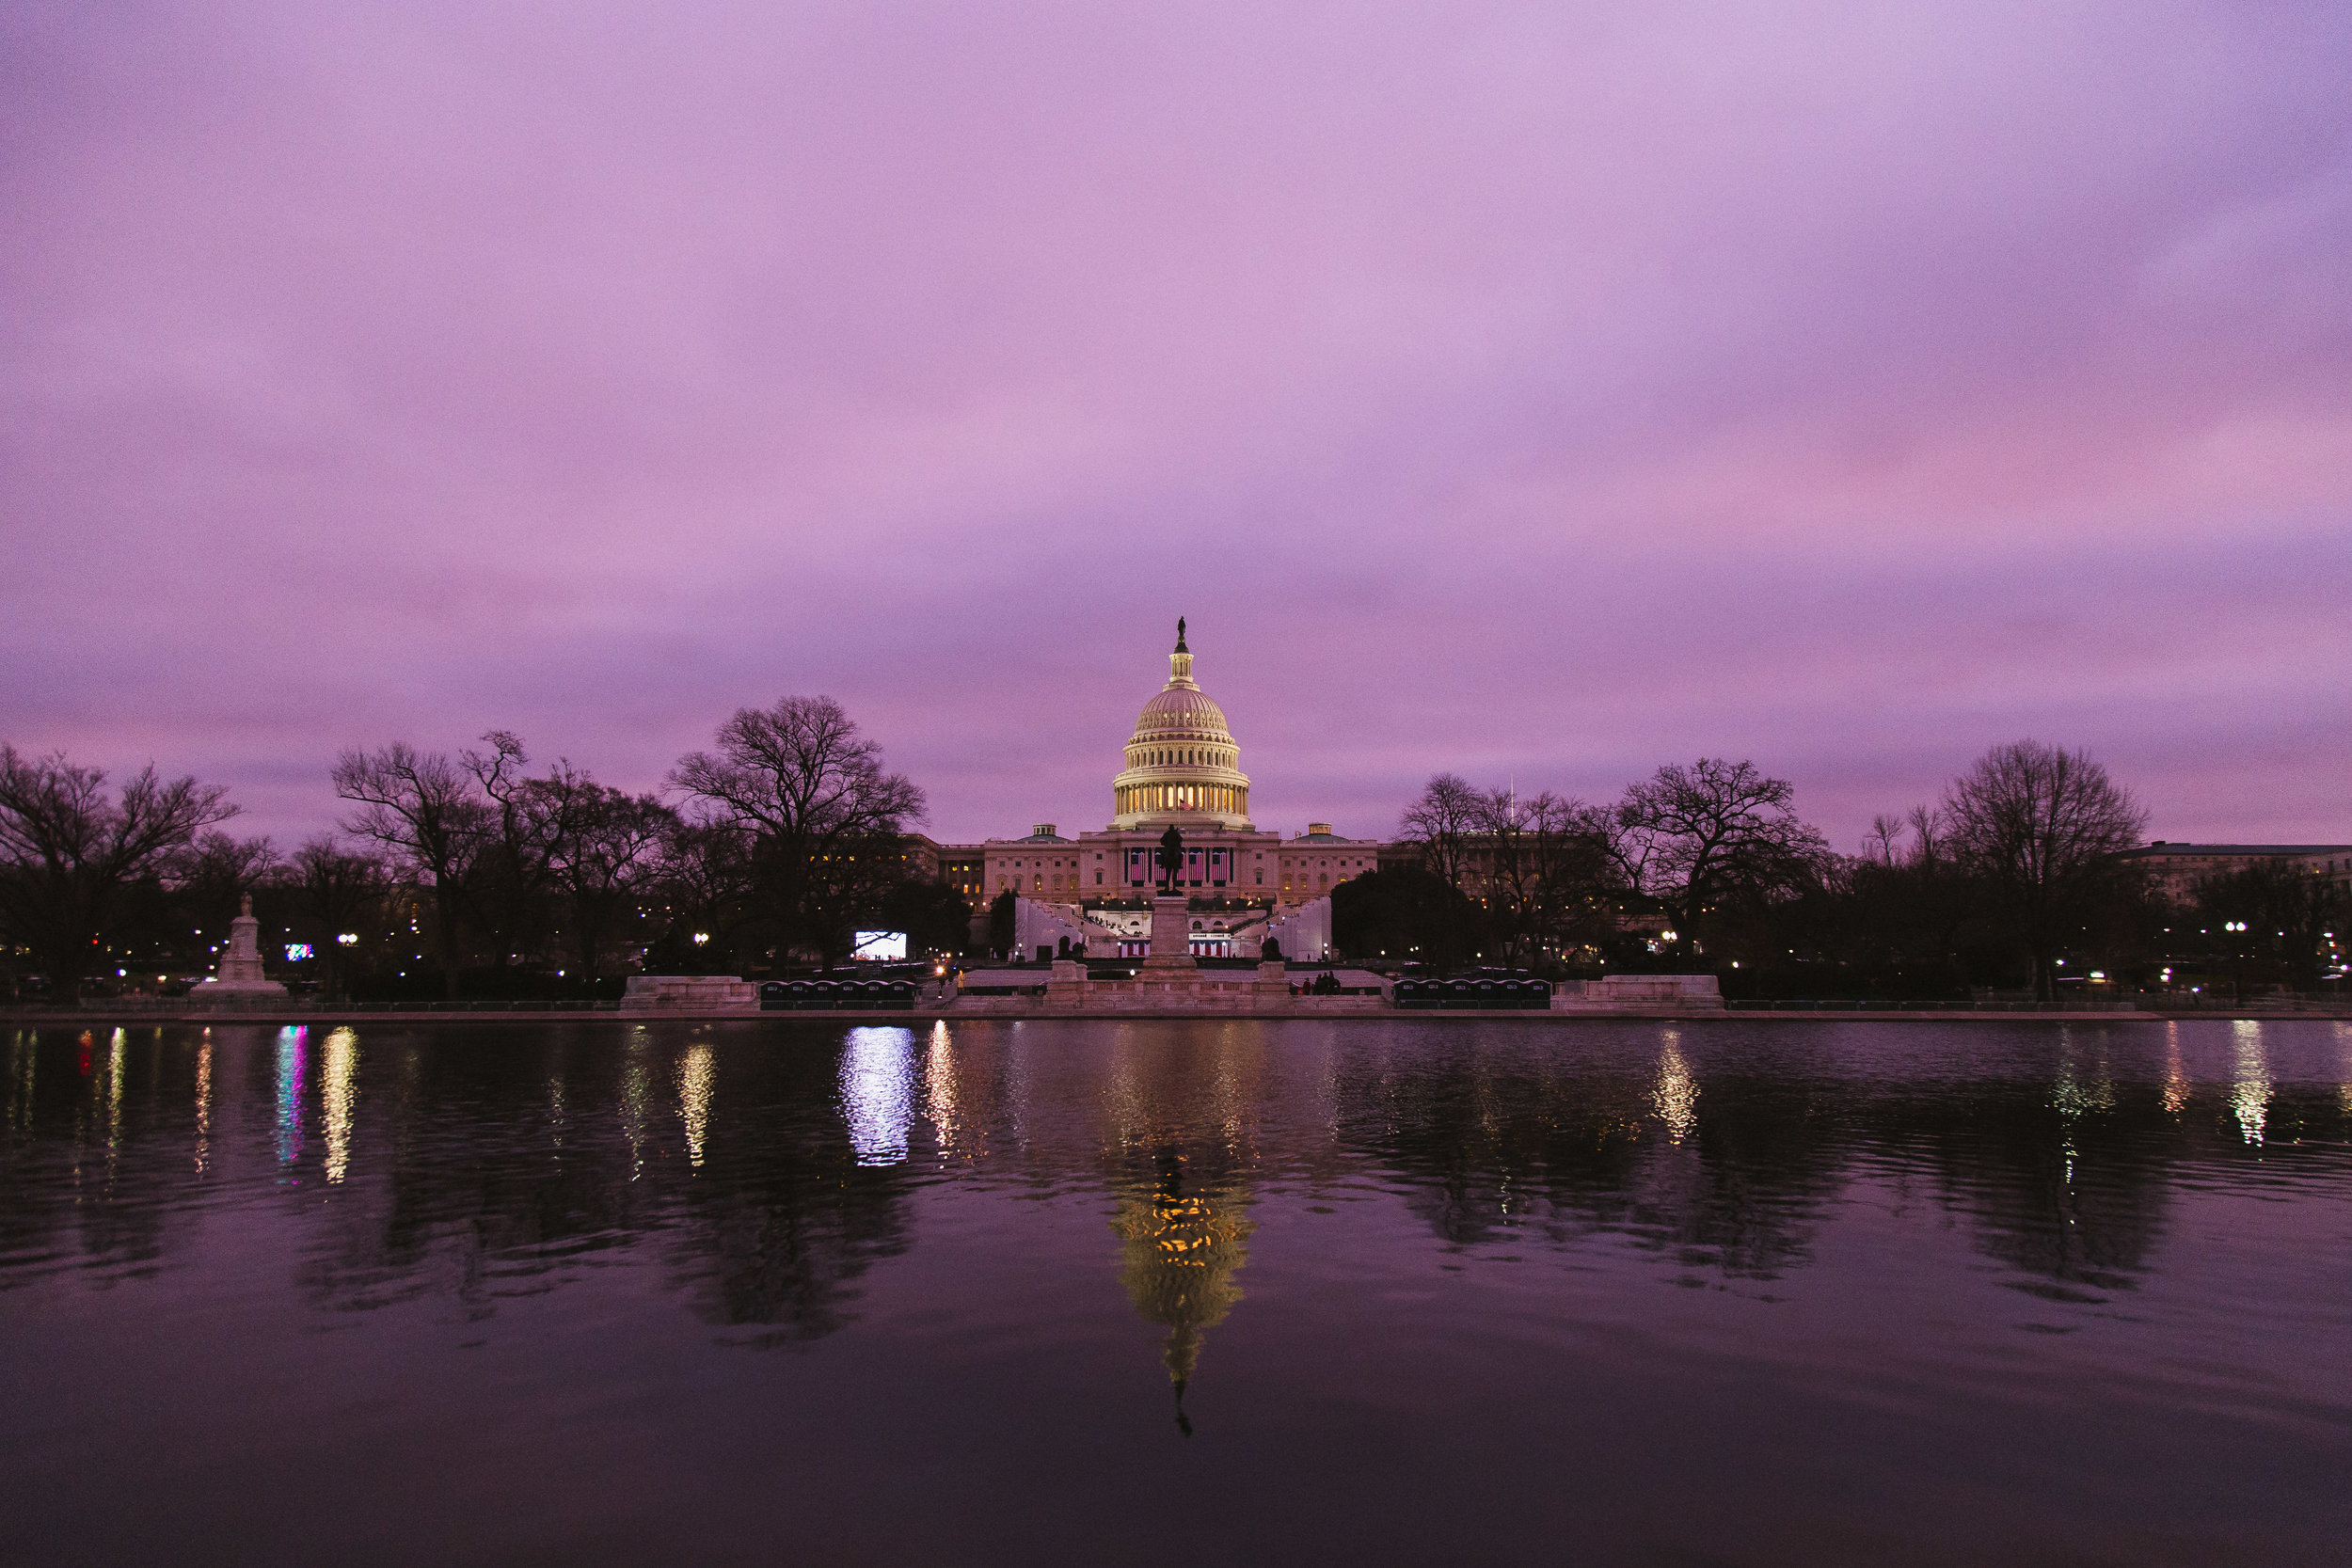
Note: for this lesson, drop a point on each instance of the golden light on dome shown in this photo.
(1183, 763)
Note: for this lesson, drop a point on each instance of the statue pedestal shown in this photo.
(1171, 934)
(1067, 987)
(238, 977)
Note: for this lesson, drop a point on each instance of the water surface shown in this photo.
(1161, 1292)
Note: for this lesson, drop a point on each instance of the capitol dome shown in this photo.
(1183, 765)
(1185, 707)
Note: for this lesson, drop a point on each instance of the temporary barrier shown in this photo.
(1482, 994)
(798, 995)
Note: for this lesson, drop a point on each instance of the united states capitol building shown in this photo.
(1246, 884)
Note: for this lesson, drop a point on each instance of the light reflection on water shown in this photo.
(114, 1098)
(636, 1095)
(1676, 1096)
(2175, 1071)
(2344, 1060)
(2250, 1093)
(1895, 1274)
(940, 1106)
(340, 1092)
(292, 1048)
(877, 1093)
(203, 1101)
(697, 1071)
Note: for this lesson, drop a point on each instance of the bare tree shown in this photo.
(1550, 880)
(528, 822)
(422, 810)
(1441, 821)
(703, 878)
(1901, 910)
(1927, 827)
(1941, 899)
(828, 822)
(341, 887)
(605, 849)
(1699, 840)
(2042, 827)
(69, 851)
(215, 871)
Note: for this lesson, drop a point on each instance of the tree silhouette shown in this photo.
(69, 852)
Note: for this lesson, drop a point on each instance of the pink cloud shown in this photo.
(1537, 391)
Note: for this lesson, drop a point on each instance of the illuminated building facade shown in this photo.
(1182, 769)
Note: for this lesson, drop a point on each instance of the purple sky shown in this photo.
(1543, 391)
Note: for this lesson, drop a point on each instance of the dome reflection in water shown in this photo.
(1179, 1164)
(1733, 1290)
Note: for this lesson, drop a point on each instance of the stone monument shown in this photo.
(1171, 930)
(239, 977)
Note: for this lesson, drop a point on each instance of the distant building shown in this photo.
(2176, 868)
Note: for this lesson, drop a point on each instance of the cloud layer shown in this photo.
(1541, 391)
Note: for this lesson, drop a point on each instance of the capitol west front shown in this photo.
(1183, 769)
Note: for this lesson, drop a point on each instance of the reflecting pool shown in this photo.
(1159, 1292)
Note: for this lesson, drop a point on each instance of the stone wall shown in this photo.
(1639, 992)
(661, 993)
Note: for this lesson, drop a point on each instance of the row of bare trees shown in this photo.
(790, 831)
(786, 833)
(71, 851)
(2028, 842)
(2267, 924)
(1546, 873)
(500, 854)
(2025, 848)
(791, 821)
